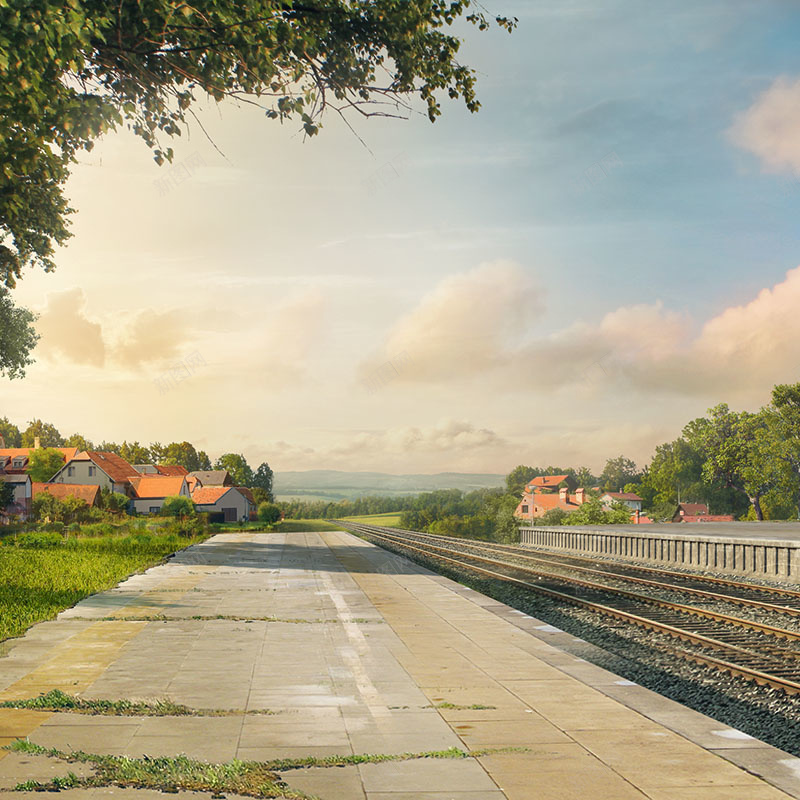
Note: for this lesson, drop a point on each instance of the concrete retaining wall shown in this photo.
(754, 558)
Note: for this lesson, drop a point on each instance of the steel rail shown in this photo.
(752, 670)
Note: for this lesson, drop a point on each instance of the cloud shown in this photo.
(463, 330)
(451, 444)
(151, 337)
(465, 325)
(770, 128)
(67, 332)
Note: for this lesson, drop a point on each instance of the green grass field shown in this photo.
(42, 574)
(302, 525)
(386, 520)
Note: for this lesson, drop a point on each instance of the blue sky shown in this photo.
(572, 273)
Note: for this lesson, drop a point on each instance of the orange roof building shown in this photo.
(89, 494)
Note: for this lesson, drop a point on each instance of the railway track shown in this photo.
(763, 653)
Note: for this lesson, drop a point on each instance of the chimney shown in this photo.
(563, 494)
(36, 443)
(580, 496)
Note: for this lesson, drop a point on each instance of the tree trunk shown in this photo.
(756, 501)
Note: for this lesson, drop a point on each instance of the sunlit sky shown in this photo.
(603, 252)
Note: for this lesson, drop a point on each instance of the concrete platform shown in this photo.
(357, 650)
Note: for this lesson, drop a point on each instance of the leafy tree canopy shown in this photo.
(18, 337)
(81, 442)
(10, 433)
(43, 463)
(262, 478)
(47, 434)
(177, 506)
(237, 466)
(70, 71)
(617, 472)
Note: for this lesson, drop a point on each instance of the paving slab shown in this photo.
(353, 650)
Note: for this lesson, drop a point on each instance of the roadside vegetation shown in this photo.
(51, 568)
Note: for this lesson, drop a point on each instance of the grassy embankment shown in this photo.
(41, 574)
(391, 520)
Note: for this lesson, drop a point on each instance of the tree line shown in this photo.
(183, 454)
(736, 462)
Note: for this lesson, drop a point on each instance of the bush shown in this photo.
(38, 541)
(269, 513)
(177, 506)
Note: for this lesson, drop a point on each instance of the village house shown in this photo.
(150, 491)
(210, 477)
(20, 505)
(95, 468)
(698, 512)
(88, 493)
(633, 501)
(224, 503)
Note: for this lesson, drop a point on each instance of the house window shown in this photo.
(92, 471)
(19, 463)
(524, 509)
(70, 471)
(154, 509)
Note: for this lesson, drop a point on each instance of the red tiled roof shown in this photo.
(548, 501)
(116, 467)
(693, 508)
(208, 495)
(548, 481)
(623, 495)
(172, 469)
(86, 492)
(153, 486)
(16, 452)
(248, 493)
(707, 518)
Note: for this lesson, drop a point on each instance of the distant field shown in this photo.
(302, 525)
(386, 520)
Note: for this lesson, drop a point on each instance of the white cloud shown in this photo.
(472, 327)
(770, 128)
(67, 332)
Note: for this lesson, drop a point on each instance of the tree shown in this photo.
(114, 502)
(134, 453)
(6, 494)
(675, 473)
(237, 466)
(181, 453)
(555, 516)
(177, 506)
(783, 420)
(269, 513)
(10, 433)
(585, 478)
(76, 440)
(617, 472)
(519, 478)
(262, 478)
(43, 463)
(73, 71)
(18, 337)
(47, 434)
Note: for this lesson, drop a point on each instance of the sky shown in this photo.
(607, 249)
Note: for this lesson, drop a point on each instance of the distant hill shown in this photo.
(331, 484)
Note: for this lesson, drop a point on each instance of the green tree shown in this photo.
(585, 478)
(617, 472)
(76, 440)
(10, 433)
(18, 337)
(555, 516)
(182, 453)
(783, 420)
(262, 478)
(6, 494)
(114, 503)
(108, 447)
(177, 506)
(47, 434)
(43, 463)
(519, 478)
(269, 513)
(238, 468)
(134, 453)
(73, 71)
(676, 472)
